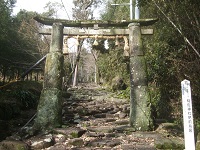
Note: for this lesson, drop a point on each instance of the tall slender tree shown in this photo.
(83, 10)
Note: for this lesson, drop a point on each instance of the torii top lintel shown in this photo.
(91, 23)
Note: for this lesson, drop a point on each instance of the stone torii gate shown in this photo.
(49, 112)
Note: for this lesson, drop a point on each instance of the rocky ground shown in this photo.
(95, 119)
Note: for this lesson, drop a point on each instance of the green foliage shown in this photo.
(74, 135)
(19, 42)
(18, 96)
(26, 99)
(124, 93)
(169, 57)
(116, 12)
(197, 125)
(100, 47)
(112, 64)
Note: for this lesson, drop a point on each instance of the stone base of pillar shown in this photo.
(49, 113)
(140, 112)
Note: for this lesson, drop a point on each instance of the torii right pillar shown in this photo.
(140, 112)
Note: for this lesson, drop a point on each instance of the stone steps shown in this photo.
(99, 124)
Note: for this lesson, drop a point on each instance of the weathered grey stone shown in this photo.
(53, 71)
(140, 110)
(56, 37)
(140, 116)
(81, 148)
(122, 115)
(104, 148)
(58, 147)
(103, 129)
(76, 142)
(169, 143)
(128, 146)
(49, 114)
(124, 128)
(42, 142)
(116, 109)
(118, 84)
(13, 145)
(108, 135)
(170, 129)
(97, 121)
(93, 111)
(121, 122)
(126, 108)
(109, 119)
(138, 71)
(110, 114)
(59, 138)
(106, 142)
(71, 132)
(146, 135)
(145, 147)
(113, 142)
(102, 115)
(49, 111)
(94, 134)
(160, 141)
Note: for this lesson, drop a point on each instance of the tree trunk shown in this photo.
(75, 75)
(49, 111)
(140, 116)
(97, 77)
(77, 63)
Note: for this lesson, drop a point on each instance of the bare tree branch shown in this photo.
(178, 29)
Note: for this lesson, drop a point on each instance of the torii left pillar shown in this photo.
(49, 111)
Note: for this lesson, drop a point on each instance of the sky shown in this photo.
(38, 6)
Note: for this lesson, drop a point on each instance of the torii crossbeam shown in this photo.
(91, 23)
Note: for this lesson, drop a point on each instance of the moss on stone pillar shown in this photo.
(53, 71)
(49, 112)
(140, 113)
(56, 38)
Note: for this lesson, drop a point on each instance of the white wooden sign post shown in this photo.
(187, 115)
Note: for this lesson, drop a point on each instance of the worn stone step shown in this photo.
(137, 147)
(101, 129)
(70, 132)
(76, 142)
(104, 143)
(13, 145)
(169, 143)
(160, 140)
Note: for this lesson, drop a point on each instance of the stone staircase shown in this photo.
(94, 119)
